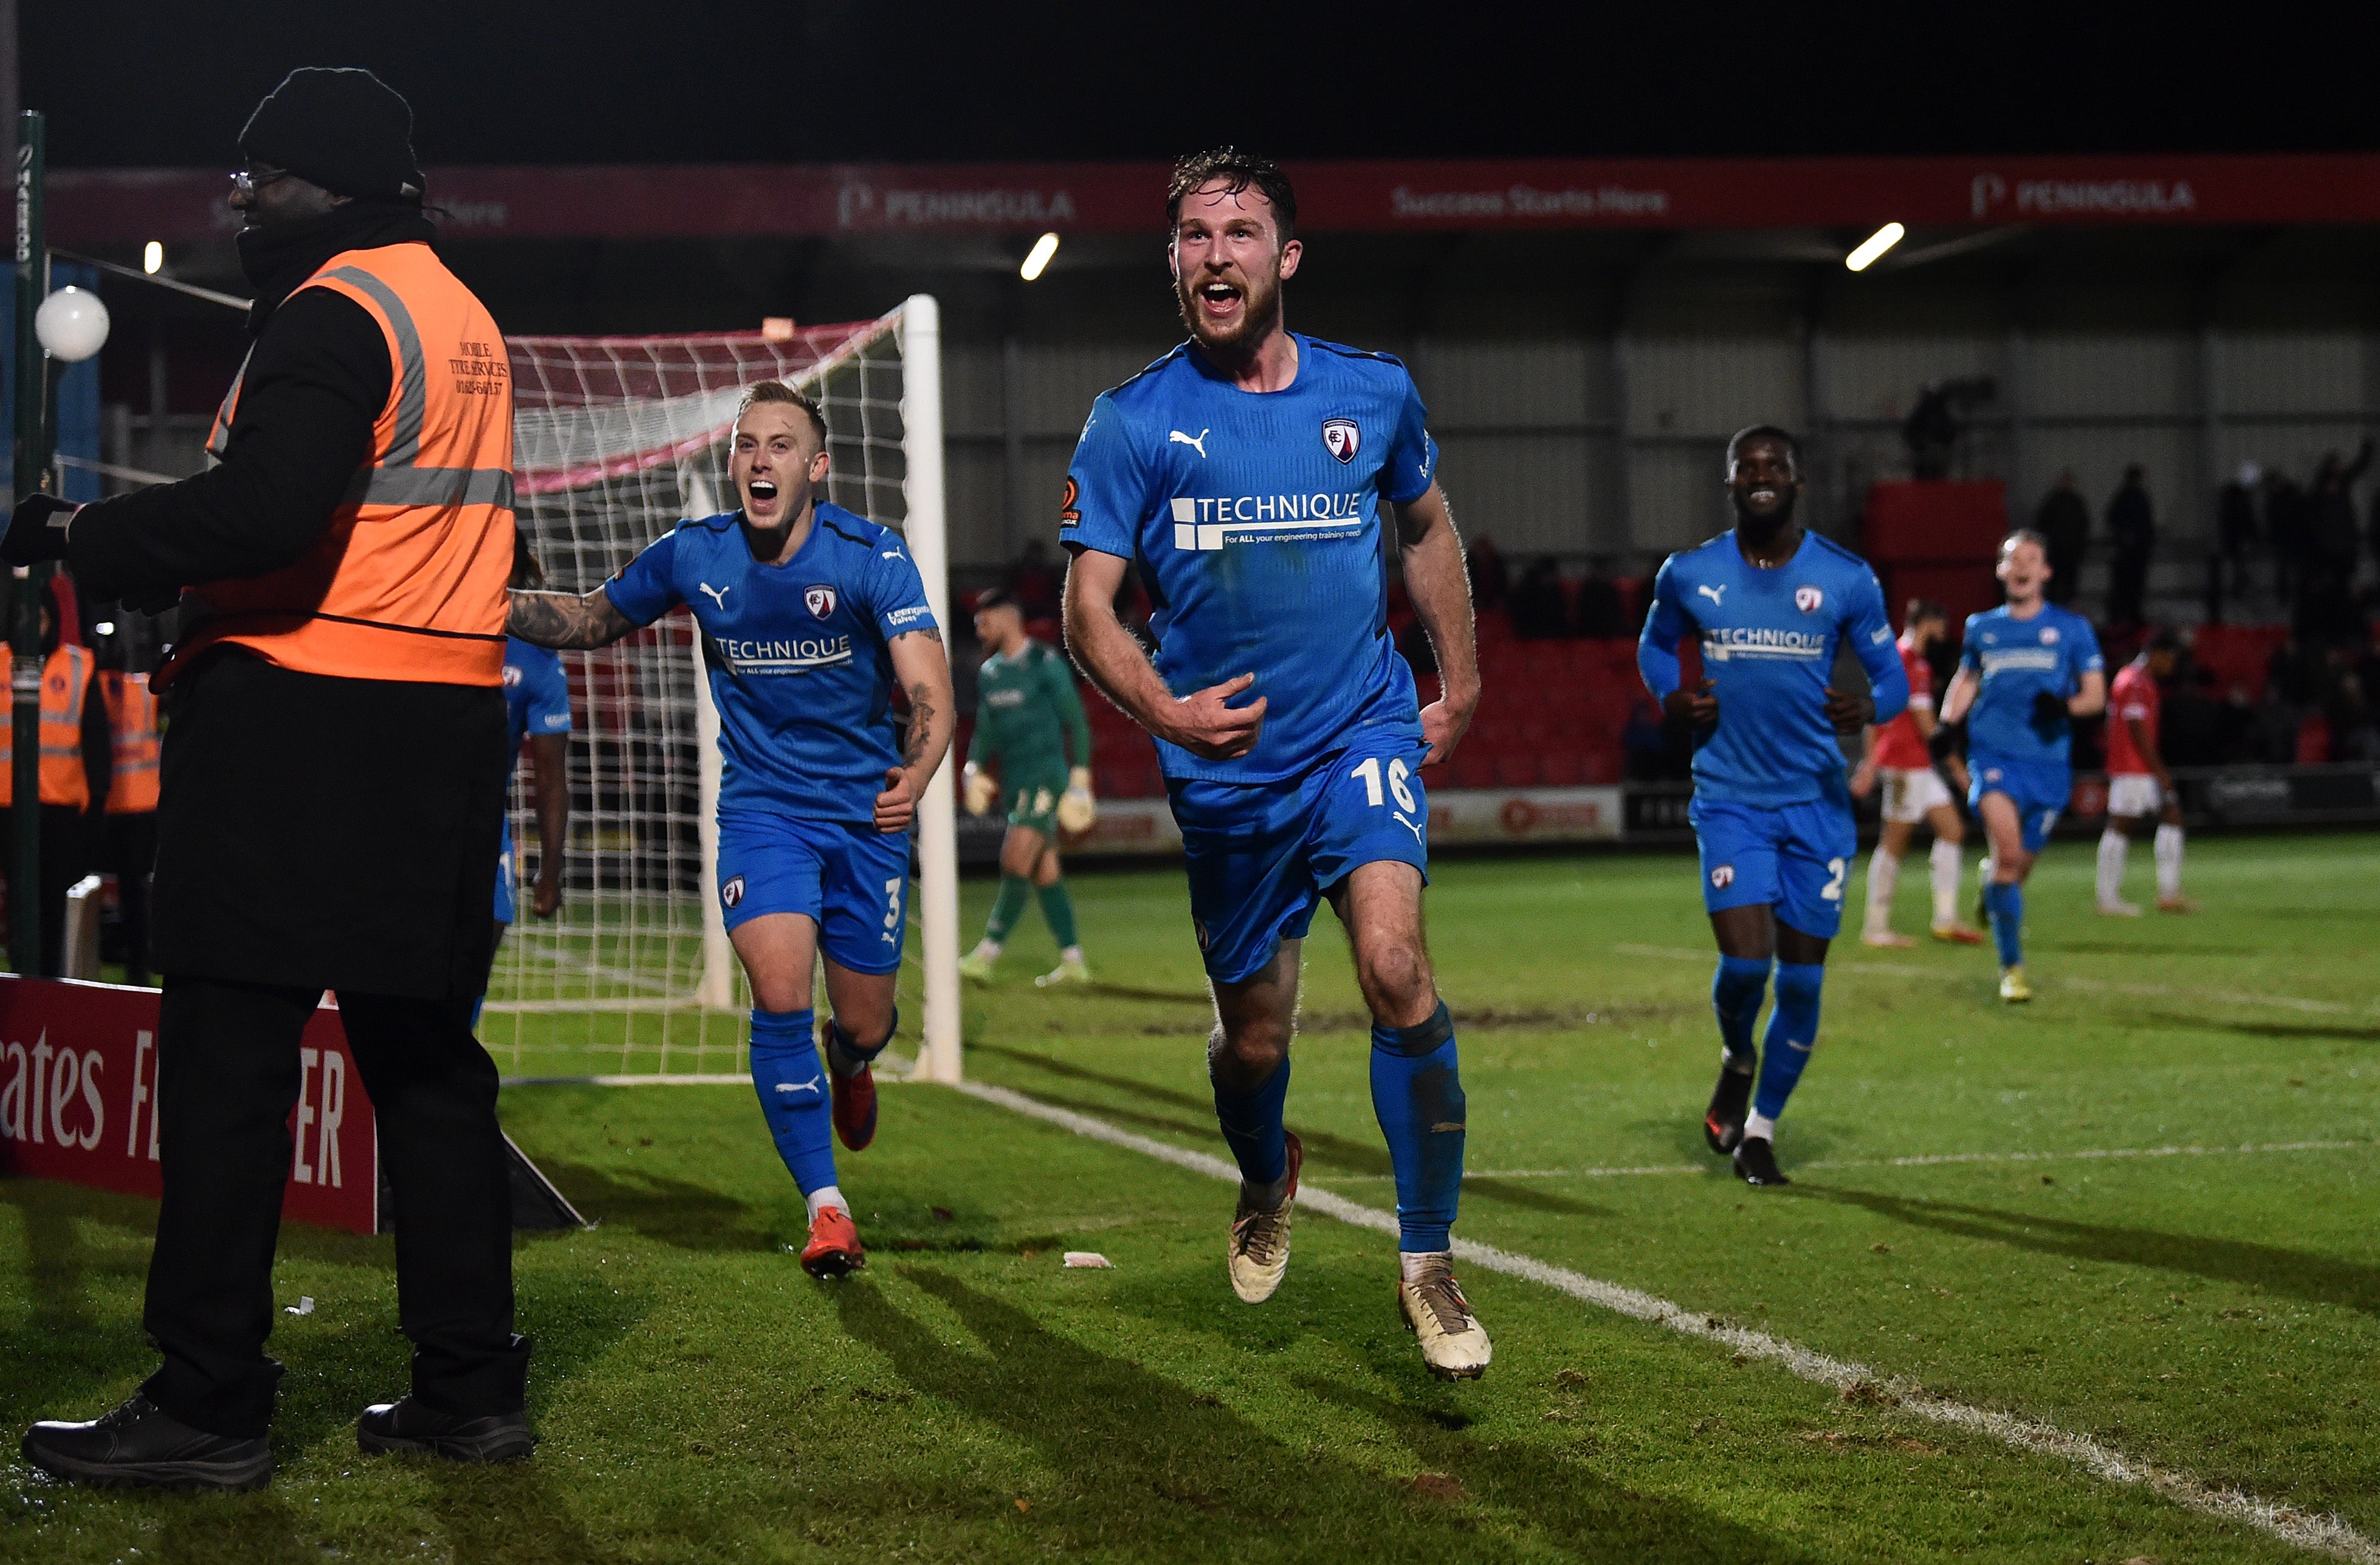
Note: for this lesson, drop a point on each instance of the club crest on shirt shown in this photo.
(2049, 635)
(1723, 877)
(820, 600)
(512, 676)
(1341, 438)
(731, 893)
(1807, 598)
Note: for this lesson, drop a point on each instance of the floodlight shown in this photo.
(152, 257)
(1039, 260)
(1874, 244)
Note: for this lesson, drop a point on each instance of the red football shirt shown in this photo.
(1899, 745)
(2133, 700)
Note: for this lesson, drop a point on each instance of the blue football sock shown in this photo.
(1736, 989)
(1792, 1033)
(792, 1084)
(2006, 904)
(1417, 1095)
(843, 1055)
(1250, 1121)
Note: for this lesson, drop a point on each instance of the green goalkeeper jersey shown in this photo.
(1028, 718)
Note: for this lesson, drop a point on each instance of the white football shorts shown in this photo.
(2134, 794)
(1909, 794)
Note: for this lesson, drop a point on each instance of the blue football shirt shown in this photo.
(1769, 640)
(1255, 520)
(536, 693)
(2018, 660)
(796, 654)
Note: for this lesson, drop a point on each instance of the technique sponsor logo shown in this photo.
(1719, 644)
(1209, 521)
(792, 654)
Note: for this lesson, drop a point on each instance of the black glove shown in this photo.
(1949, 740)
(37, 531)
(2049, 715)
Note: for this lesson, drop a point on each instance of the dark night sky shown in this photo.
(152, 82)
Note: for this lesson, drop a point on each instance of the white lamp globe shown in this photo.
(72, 324)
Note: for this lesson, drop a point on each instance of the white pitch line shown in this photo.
(1926, 1160)
(2327, 1535)
(2089, 985)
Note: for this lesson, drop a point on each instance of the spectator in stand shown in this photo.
(2235, 525)
(1033, 581)
(1536, 606)
(2064, 521)
(2347, 706)
(2285, 534)
(2131, 529)
(2334, 543)
(1489, 580)
(1600, 612)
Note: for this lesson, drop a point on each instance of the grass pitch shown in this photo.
(2137, 1209)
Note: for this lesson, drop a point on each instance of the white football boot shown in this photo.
(1453, 1343)
(1258, 1251)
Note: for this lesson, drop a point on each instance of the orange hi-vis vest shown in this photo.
(64, 679)
(407, 581)
(132, 720)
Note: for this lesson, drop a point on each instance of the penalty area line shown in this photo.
(2327, 1535)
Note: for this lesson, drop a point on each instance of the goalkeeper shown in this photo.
(1027, 717)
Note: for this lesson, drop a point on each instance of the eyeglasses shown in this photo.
(249, 181)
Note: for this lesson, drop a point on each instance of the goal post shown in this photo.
(617, 440)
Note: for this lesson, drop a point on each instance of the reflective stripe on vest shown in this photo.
(407, 581)
(64, 677)
(132, 720)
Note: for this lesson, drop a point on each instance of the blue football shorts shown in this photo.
(1794, 857)
(1262, 855)
(2039, 791)
(851, 880)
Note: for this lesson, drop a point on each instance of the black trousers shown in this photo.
(130, 855)
(66, 858)
(227, 1080)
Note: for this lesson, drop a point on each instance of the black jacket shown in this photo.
(311, 830)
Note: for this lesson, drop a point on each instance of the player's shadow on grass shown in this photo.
(1195, 1116)
(676, 1211)
(1106, 990)
(2320, 1279)
(1148, 1467)
(2328, 1031)
(1569, 1505)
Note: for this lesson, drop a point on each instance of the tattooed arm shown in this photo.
(564, 620)
(925, 674)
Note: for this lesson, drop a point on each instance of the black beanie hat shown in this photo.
(346, 130)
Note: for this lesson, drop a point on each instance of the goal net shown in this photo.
(616, 439)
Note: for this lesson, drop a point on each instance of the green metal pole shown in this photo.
(25, 588)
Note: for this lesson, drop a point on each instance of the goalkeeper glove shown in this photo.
(2049, 715)
(1077, 809)
(37, 531)
(980, 789)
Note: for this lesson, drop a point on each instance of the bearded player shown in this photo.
(1900, 756)
(2140, 789)
(1770, 603)
(2029, 669)
(1027, 716)
(1253, 474)
(810, 616)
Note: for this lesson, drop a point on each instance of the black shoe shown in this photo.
(140, 1445)
(406, 1425)
(1755, 1162)
(1723, 1121)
